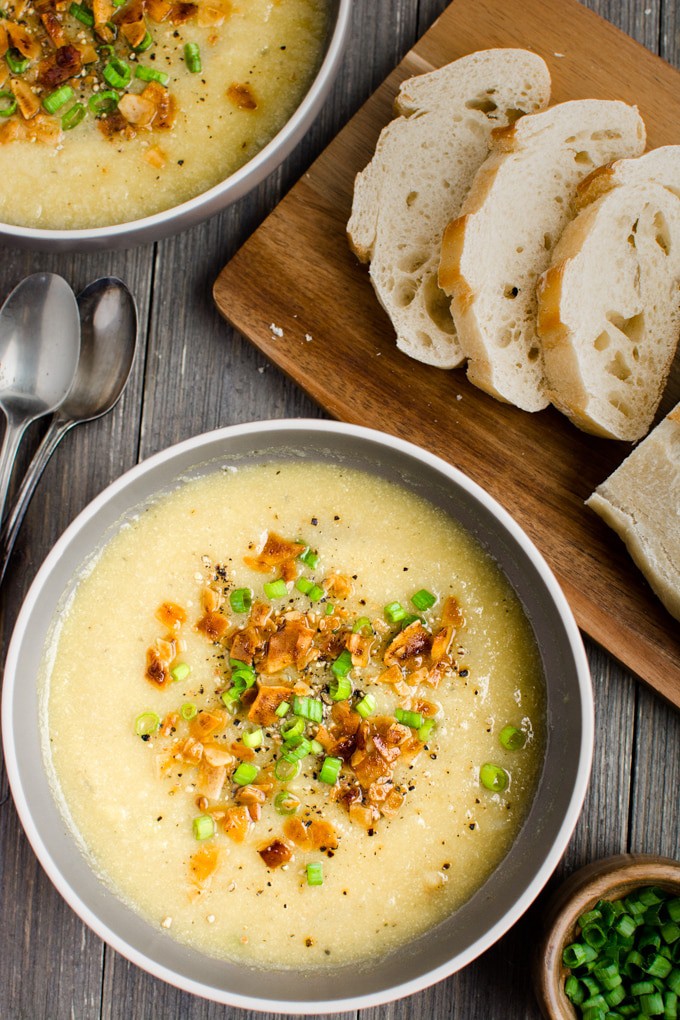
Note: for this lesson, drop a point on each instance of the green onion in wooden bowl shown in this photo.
(611, 942)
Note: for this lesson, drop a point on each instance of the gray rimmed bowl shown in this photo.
(189, 214)
(510, 889)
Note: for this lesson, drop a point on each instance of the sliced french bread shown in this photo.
(661, 165)
(641, 502)
(609, 310)
(415, 183)
(518, 205)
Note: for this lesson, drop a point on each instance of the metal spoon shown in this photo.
(39, 347)
(108, 321)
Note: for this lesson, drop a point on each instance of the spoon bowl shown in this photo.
(108, 329)
(39, 348)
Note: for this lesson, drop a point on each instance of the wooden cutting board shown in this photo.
(295, 290)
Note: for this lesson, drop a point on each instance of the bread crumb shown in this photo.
(308, 337)
(459, 396)
(210, 918)
(261, 369)
(558, 54)
(275, 330)
(166, 922)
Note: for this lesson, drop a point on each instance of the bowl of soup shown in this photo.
(297, 718)
(133, 120)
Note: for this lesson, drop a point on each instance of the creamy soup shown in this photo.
(118, 111)
(294, 713)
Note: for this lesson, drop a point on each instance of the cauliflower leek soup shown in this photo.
(118, 109)
(295, 714)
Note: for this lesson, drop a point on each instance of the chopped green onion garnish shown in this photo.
(316, 593)
(276, 589)
(315, 873)
(192, 57)
(151, 74)
(342, 664)
(394, 612)
(188, 710)
(329, 609)
(512, 739)
(304, 585)
(241, 600)
(330, 770)
(241, 679)
(283, 709)
(74, 116)
(180, 671)
(409, 619)
(145, 44)
(425, 730)
(308, 708)
(493, 777)
(253, 738)
(103, 102)
(297, 753)
(245, 773)
(362, 625)
(10, 103)
(317, 747)
(366, 706)
(340, 688)
(16, 62)
(309, 558)
(286, 770)
(231, 696)
(423, 599)
(58, 98)
(146, 723)
(239, 664)
(286, 803)
(82, 13)
(204, 827)
(412, 719)
(117, 73)
(293, 731)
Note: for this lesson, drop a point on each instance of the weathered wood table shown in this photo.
(193, 373)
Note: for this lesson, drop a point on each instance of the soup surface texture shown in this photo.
(295, 714)
(117, 120)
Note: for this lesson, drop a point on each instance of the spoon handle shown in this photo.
(10, 529)
(10, 445)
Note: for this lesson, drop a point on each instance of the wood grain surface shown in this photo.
(193, 373)
(297, 273)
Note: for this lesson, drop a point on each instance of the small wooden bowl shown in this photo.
(610, 879)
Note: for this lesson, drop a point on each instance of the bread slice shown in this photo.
(609, 310)
(422, 168)
(641, 502)
(519, 203)
(661, 165)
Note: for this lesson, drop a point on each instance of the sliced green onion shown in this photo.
(512, 739)
(241, 679)
(151, 74)
(394, 612)
(16, 62)
(366, 706)
(342, 664)
(330, 770)
(58, 98)
(180, 671)
(412, 719)
(245, 773)
(317, 747)
(188, 710)
(625, 925)
(425, 730)
(673, 908)
(423, 599)
(309, 558)
(231, 696)
(74, 116)
(283, 709)
(362, 625)
(192, 57)
(408, 619)
(293, 731)
(253, 738)
(315, 873)
(493, 777)
(308, 708)
(117, 73)
(340, 688)
(145, 44)
(204, 827)
(286, 803)
(286, 770)
(10, 102)
(304, 585)
(329, 609)
(573, 989)
(276, 589)
(315, 593)
(103, 102)
(241, 600)
(146, 723)
(297, 753)
(82, 13)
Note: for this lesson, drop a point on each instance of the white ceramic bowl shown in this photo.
(509, 890)
(188, 214)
